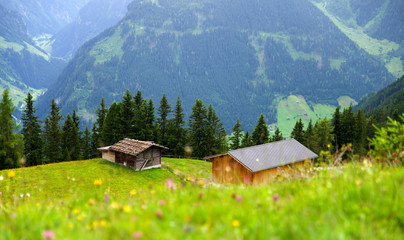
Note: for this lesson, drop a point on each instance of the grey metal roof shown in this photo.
(270, 155)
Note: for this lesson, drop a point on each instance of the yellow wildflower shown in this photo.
(70, 225)
(79, 218)
(133, 192)
(95, 224)
(189, 178)
(11, 174)
(358, 182)
(152, 191)
(97, 182)
(114, 205)
(103, 223)
(127, 209)
(187, 218)
(75, 211)
(328, 145)
(235, 223)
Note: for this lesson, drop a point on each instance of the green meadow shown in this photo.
(294, 107)
(95, 199)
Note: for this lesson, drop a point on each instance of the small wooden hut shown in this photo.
(258, 164)
(139, 155)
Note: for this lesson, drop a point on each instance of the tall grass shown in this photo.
(356, 201)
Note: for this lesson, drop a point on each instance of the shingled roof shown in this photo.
(133, 147)
(271, 155)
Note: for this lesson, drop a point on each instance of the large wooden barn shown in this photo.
(136, 154)
(258, 164)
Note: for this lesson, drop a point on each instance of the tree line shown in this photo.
(134, 117)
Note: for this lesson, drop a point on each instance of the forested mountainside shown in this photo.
(23, 66)
(241, 56)
(93, 18)
(380, 19)
(45, 16)
(384, 102)
(376, 26)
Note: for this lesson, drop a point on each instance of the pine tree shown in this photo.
(31, 131)
(52, 134)
(199, 130)
(324, 136)
(309, 137)
(247, 140)
(67, 136)
(176, 131)
(11, 143)
(148, 128)
(111, 129)
(395, 115)
(337, 126)
(370, 130)
(95, 140)
(277, 136)
(298, 132)
(138, 121)
(86, 144)
(217, 141)
(359, 141)
(347, 125)
(237, 136)
(260, 134)
(76, 137)
(164, 110)
(127, 115)
(96, 136)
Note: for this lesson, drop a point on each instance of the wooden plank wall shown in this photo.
(108, 155)
(225, 169)
(268, 175)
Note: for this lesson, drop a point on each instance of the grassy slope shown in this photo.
(362, 202)
(292, 108)
(188, 168)
(60, 180)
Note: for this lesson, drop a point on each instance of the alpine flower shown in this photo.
(235, 223)
(97, 182)
(11, 174)
(48, 234)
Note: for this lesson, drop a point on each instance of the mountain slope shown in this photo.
(376, 26)
(23, 67)
(93, 18)
(385, 101)
(45, 16)
(243, 57)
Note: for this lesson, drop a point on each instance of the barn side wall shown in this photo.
(153, 154)
(225, 169)
(265, 176)
(108, 155)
